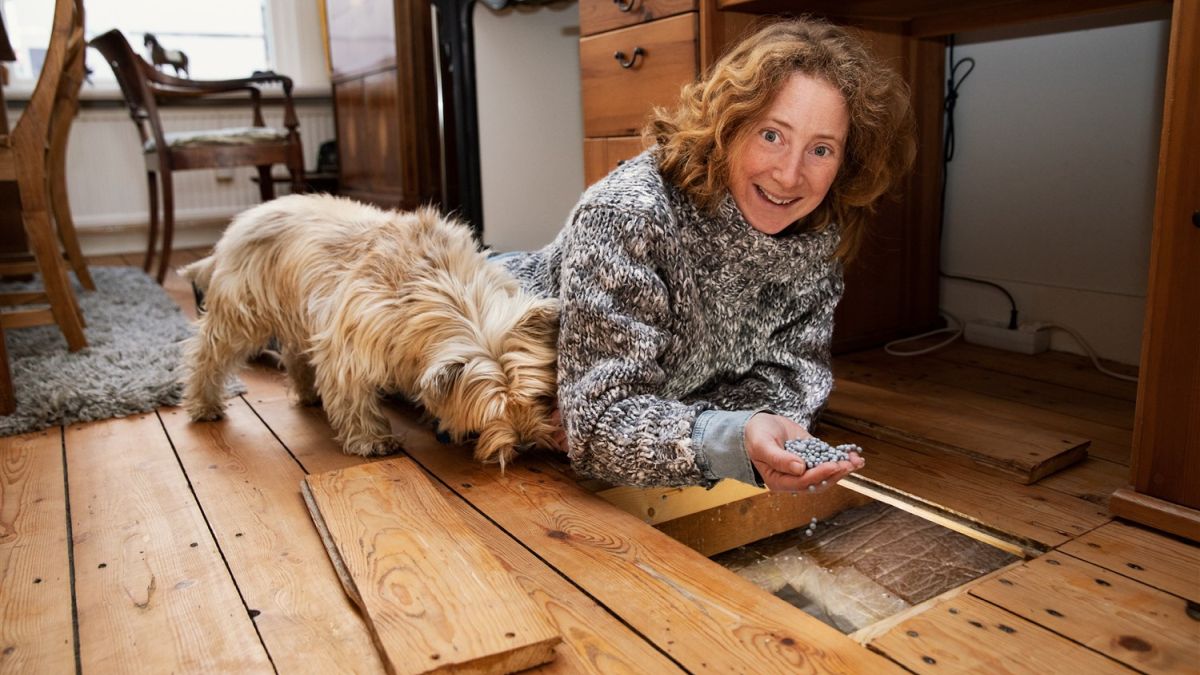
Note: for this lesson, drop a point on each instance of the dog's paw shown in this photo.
(308, 400)
(375, 448)
(206, 413)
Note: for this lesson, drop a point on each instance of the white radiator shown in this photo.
(106, 175)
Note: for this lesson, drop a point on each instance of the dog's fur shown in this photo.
(364, 301)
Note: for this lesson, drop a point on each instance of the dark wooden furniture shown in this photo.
(23, 161)
(385, 101)
(146, 90)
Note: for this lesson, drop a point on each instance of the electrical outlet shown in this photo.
(1029, 338)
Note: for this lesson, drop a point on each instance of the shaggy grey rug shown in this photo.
(131, 364)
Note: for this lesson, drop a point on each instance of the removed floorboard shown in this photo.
(435, 598)
(1023, 452)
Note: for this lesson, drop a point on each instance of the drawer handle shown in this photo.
(620, 57)
(624, 6)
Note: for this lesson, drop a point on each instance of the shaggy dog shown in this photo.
(364, 301)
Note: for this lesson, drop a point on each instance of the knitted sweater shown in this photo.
(677, 326)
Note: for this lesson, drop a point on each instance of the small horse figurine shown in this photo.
(170, 57)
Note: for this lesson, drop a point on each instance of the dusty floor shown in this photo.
(863, 565)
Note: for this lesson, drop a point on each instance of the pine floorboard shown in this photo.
(149, 544)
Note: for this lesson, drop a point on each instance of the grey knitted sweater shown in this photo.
(677, 326)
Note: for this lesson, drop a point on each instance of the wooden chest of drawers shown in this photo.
(634, 55)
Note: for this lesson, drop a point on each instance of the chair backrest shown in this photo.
(127, 67)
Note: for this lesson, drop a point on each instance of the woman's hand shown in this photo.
(560, 434)
(781, 470)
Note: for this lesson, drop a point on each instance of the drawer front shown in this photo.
(663, 58)
(597, 16)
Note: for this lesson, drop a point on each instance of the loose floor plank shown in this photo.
(1142, 627)
(908, 377)
(1058, 368)
(967, 635)
(35, 576)
(435, 597)
(152, 590)
(1021, 451)
(247, 484)
(1065, 400)
(1092, 479)
(1151, 558)
(596, 641)
(661, 588)
(1041, 516)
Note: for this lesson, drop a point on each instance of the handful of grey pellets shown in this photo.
(815, 451)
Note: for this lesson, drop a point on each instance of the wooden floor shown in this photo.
(149, 544)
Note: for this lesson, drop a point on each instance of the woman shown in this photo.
(698, 281)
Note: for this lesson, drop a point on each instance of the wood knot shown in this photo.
(557, 534)
(1134, 644)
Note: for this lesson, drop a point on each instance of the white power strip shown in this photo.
(1029, 338)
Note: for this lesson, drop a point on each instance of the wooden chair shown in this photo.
(23, 161)
(147, 89)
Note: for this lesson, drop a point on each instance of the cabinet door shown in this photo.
(602, 155)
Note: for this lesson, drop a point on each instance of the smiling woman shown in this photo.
(698, 281)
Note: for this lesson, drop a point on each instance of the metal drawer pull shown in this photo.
(620, 57)
(624, 6)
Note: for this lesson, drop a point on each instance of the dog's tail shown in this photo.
(199, 273)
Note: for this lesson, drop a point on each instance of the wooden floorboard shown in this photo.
(1144, 628)
(1031, 513)
(907, 377)
(599, 643)
(36, 629)
(247, 485)
(152, 589)
(968, 635)
(181, 532)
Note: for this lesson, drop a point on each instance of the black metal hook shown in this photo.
(620, 57)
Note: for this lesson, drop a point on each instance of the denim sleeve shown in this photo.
(718, 439)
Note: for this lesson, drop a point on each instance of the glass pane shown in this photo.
(221, 38)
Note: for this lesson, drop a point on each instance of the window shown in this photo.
(221, 38)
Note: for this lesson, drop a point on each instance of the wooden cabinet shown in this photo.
(381, 53)
(633, 55)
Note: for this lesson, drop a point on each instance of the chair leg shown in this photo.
(54, 278)
(152, 189)
(266, 186)
(295, 165)
(60, 204)
(168, 199)
(8, 399)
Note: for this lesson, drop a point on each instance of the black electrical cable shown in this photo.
(953, 82)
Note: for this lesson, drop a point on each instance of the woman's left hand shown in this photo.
(765, 435)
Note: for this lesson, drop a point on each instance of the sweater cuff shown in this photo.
(719, 441)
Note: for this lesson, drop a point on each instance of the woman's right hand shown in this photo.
(765, 435)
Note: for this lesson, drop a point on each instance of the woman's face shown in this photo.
(782, 168)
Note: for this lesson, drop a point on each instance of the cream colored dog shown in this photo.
(364, 301)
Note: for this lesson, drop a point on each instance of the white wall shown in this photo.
(530, 121)
(1051, 190)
